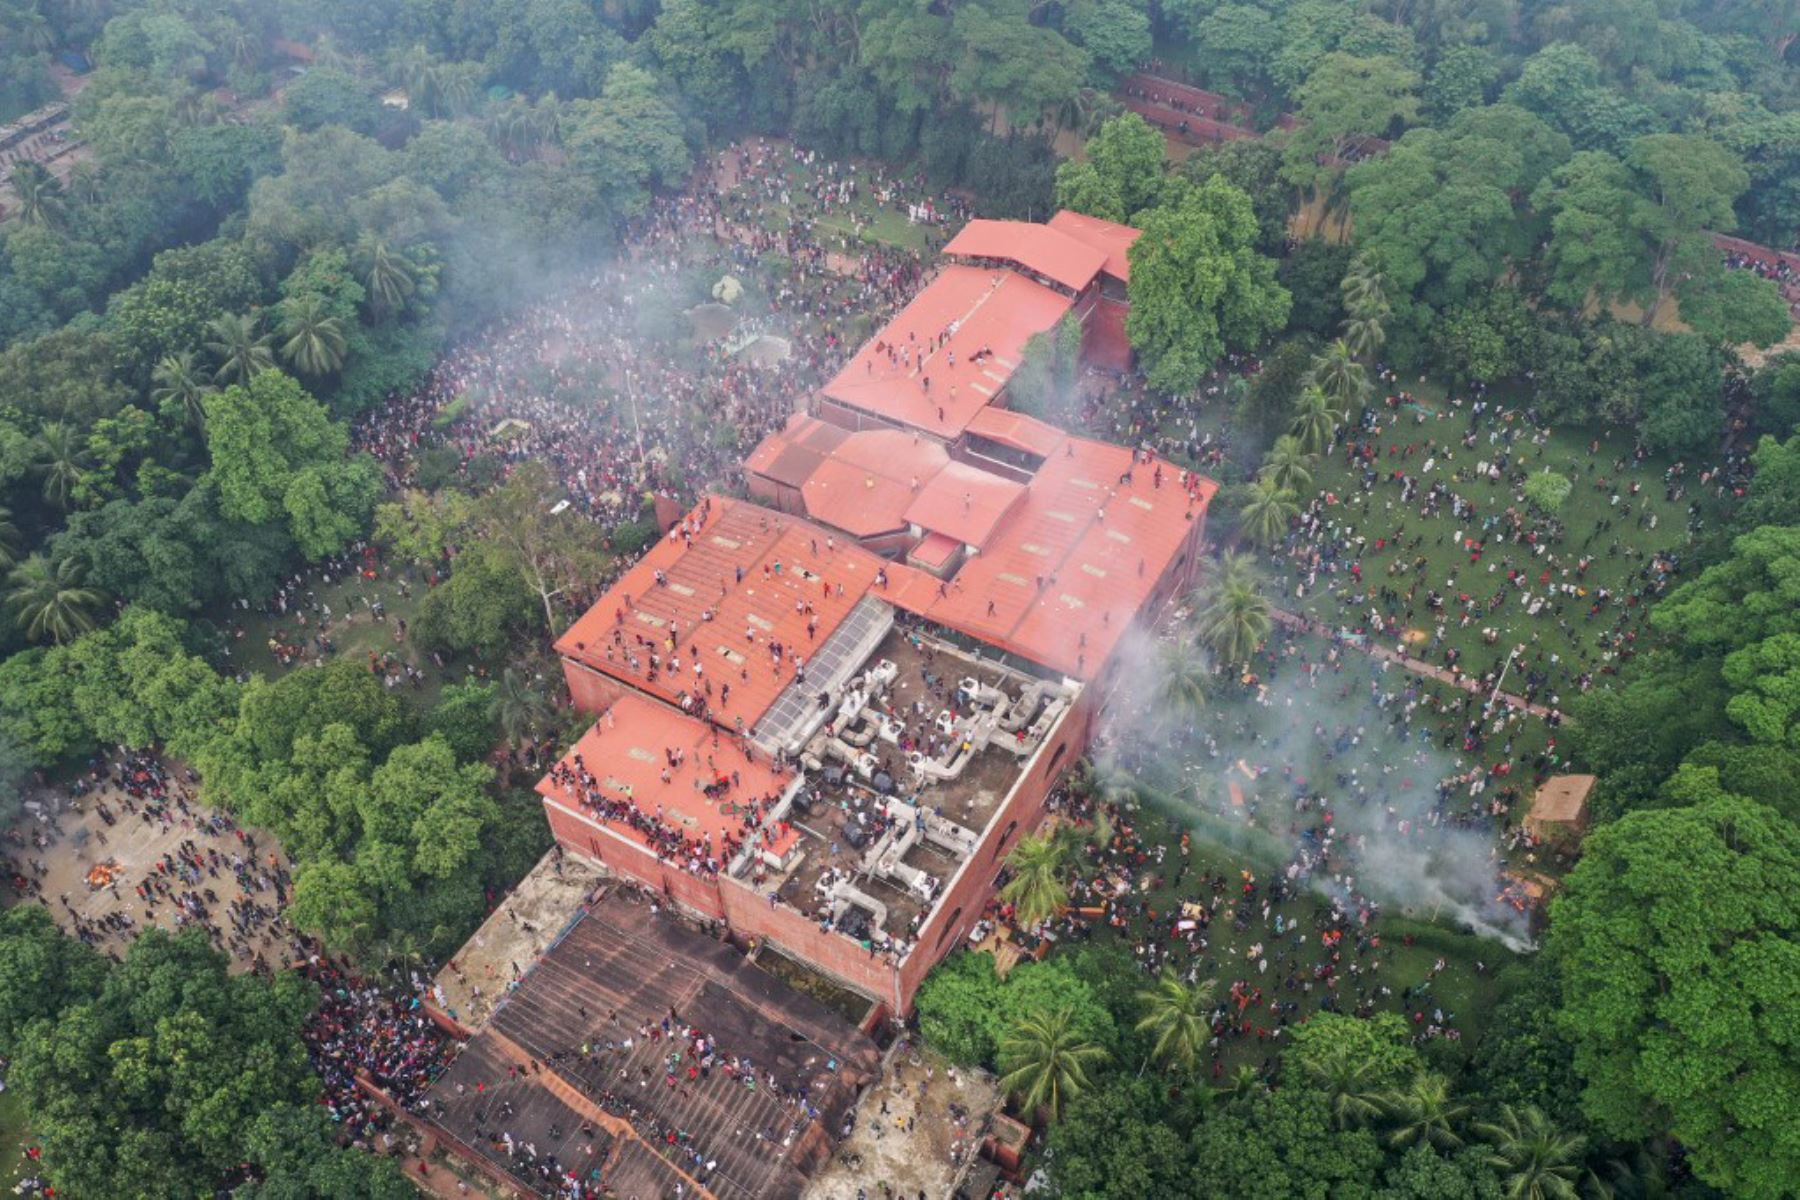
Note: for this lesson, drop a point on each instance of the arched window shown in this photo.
(1000, 846)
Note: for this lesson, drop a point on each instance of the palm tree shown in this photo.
(1364, 288)
(49, 601)
(1177, 1014)
(1184, 680)
(1316, 421)
(39, 193)
(179, 383)
(84, 183)
(33, 30)
(1234, 617)
(1349, 1087)
(1267, 510)
(1425, 1113)
(1641, 1175)
(1364, 334)
(1535, 1159)
(1245, 1082)
(1044, 1062)
(1106, 781)
(435, 89)
(62, 460)
(9, 538)
(315, 339)
(387, 276)
(518, 706)
(1036, 890)
(240, 347)
(1288, 465)
(1340, 376)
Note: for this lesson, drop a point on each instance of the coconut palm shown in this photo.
(1106, 781)
(62, 461)
(1349, 1085)
(239, 346)
(433, 88)
(1643, 1174)
(1535, 1159)
(39, 193)
(1036, 890)
(519, 706)
(1288, 465)
(1238, 569)
(1177, 1015)
(1268, 508)
(1184, 680)
(315, 343)
(1425, 1113)
(1364, 288)
(32, 30)
(1044, 1062)
(1365, 333)
(387, 276)
(1337, 373)
(1234, 617)
(49, 602)
(1244, 1082)
(9, 538)
(1316, 420)
(84, 183)
(180, 382)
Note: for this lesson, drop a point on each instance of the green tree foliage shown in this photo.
(1122, 174)
(42, 971)
(157, 1077)
(1199, 287)
(1046, 1062)
(629, 140)
(965, 1009)
(1037, 889)
(1679, 945)
(1547, 490)
(277, 455)
(1346, 97)
(1280, 1143)
(465, 716)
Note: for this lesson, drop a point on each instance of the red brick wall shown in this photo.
(592, 692)
(961, 906)
(749, 913)
(632, 860)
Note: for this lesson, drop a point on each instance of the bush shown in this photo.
(1547, 490)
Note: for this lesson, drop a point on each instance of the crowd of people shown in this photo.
(1437, 488)
(367, 1031)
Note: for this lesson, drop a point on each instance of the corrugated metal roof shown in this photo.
(1109, 237)
(905, 374)
(1068, 571)
(760, 576)
(1039, 249)
(964, 502)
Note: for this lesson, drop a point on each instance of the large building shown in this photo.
(824, 715)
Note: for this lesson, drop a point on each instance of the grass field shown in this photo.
(15, 1135)
(1562, 639)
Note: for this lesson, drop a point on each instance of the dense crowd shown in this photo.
(364, 1030)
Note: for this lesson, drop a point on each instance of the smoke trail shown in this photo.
(1331, 772)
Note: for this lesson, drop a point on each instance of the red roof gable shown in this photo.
(1108, 237)
(1037, 248)
(904, 374)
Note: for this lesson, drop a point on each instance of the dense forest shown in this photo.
(281, 214)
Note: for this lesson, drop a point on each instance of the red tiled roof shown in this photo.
(626, 752)
(1019, 430)
(781, 571)
(1108, 237)
(1064, 580)
(858, 501)
(964, 502)
(976, 308)
(789, 454)
(1038, 248)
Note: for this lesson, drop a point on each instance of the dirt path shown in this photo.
(133, 846)
(1417, 666)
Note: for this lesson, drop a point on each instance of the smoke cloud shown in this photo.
(1333, 773)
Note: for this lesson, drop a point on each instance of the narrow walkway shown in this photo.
(1417, 666)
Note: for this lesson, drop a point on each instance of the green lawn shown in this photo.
(1562, 639)
(15, 1135)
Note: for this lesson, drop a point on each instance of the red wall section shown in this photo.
(593, 692)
